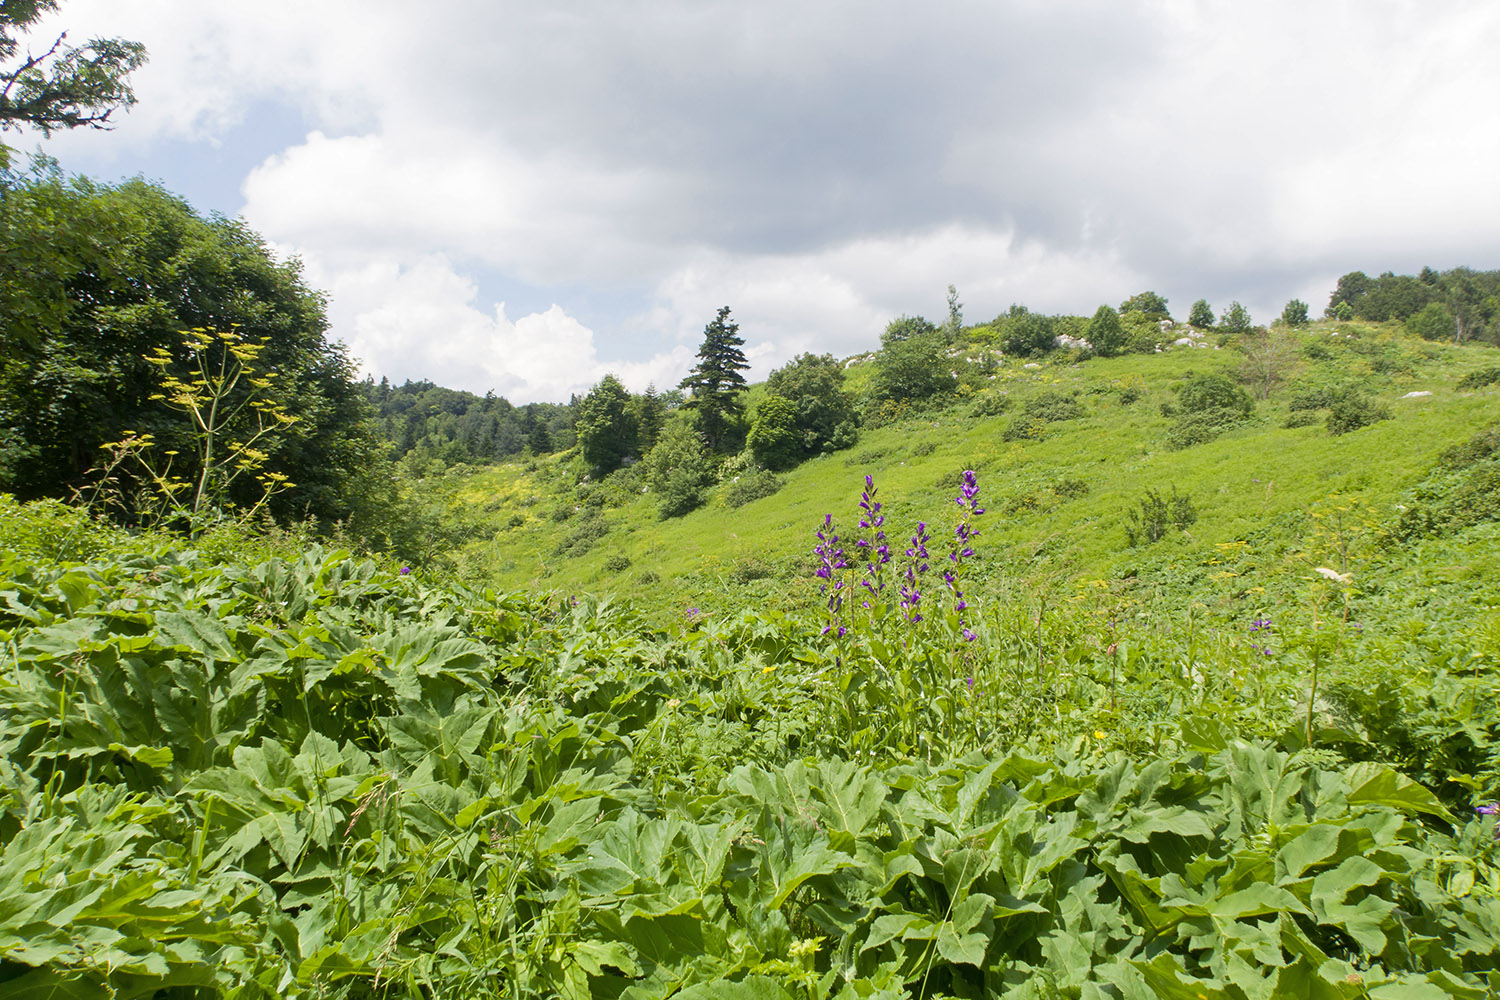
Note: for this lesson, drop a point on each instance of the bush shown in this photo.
(1025, 429)
(1310, 398)
(1353, 412)
(990, 404)
(1481, 378)
(1302, 418)
(1070, 489)
(588, 529)
(1131, 394)
(1214, 392)
(1052, 405)
(1199, 426)
(617, 563)
(1157, 515)
(1316, 351)
(752, 487)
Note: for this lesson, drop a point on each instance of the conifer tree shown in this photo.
(716, 383)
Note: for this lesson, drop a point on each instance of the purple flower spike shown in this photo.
(1489, 809)
(1260, 624)
(405, 570)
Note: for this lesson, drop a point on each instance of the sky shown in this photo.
(523, 197)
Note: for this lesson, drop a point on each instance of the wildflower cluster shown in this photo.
(1263, 626)
(832, 560)
(875, 558)
(963, 548)
(873, 550)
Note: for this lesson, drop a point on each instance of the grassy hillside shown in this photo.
(1266, 494)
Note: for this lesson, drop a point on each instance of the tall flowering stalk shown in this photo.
(831, 562)
(916, 565)
(963, 547)
(873, 549)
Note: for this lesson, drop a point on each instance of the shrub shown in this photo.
(588, 529)
(1316, 351)
(1353, 412)
(1214, 392)
(1302, 418)
(1130, 394)
(1481, 378)
(750, 570)
(1025, 429)
(752, 487)
(1199, 426)
(1070, 489)
(1053, 405)
(1311, 398)
(924, 448)
(617, 563)
(1158, 515)
(990, 404)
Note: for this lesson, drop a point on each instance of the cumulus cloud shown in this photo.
(823, 169)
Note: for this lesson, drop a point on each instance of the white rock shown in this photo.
(1414, 395)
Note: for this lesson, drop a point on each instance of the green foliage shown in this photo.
(1236, 319)
(1353, 411)
(1433, 322)
(1053, 405)
(1201, 315)
(463, 427)
(774, 437)
(915, 369)
(715, 383)
(1200, 393)
(64, 86)
(1157, 515)
(825, 419)
(1026, 334)
(905, 327)
(1461, 491)
(1148, 304)
(1024, 428)
(1105, 333)
(751, 487)
(95, 280)
(316, 778)
(1295, 313)
(1480, 377)
(678, 469)
(606, 427)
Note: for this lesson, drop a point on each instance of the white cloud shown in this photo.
(419, 319)
(821, 170)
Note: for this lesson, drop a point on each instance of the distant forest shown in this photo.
(429, 421)
(1461, 304)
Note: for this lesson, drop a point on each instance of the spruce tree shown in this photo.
(716, 383)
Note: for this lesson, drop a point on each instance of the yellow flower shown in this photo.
(1098, 734)
(767, 670)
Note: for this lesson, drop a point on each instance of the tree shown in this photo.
(1434, 322)
(1149, 303)
(93, 278)
(1351, 287)
(1104, 331)
(650, 414)
(716, 383)
(1269, 356)
(1295, 313)
(955, 324)
(825, 415)
(65, 86)
(1026, 334)
(678, 469)
(607, 432)
(774, 438)
(916, 368)
(1202, 315)
(1236, 319)
(905, 327)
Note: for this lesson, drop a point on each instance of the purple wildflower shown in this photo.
(963, 536)
(1489, 809)
(405, 570)
(873, 550)
(916, 565)
(1260, 624)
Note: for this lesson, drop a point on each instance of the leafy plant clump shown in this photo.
(1480, 378)
(1052, 405)
(1157, 515)
(1353, 411)
(752, 487)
